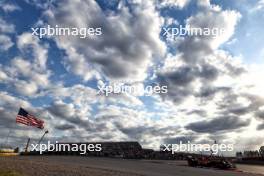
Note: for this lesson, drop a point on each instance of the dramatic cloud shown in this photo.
(69, 112)
(6, 27)
(258, 7)
(260, 127)
(65, 127)
(125, 50)
(218, 124)
(199, 64)
(27, 76)
(9, 106)
(260, 114)
(5, 43)
(180, 139)
(173, 3)
(7, 7)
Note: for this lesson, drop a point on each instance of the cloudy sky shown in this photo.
(215, 86)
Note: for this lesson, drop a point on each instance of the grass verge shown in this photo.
(9, 173)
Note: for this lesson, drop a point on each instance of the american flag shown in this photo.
(27, 119)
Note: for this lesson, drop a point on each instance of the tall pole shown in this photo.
(7, 138)
(26, 149)
(46, 132)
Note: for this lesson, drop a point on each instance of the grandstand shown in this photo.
(109, 149)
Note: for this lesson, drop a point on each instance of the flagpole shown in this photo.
(46, 132)
(7, 139)
(26, 149)
(30, 120)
